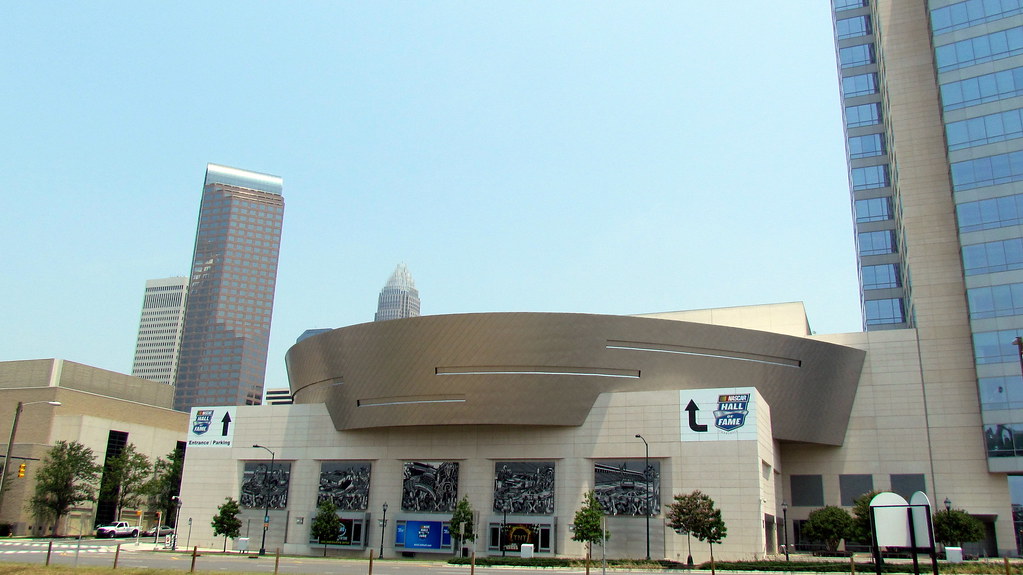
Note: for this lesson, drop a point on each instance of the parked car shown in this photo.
(164, 530)
(116, 529)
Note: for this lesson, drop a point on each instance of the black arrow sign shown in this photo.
(227, 423)
(692, 409)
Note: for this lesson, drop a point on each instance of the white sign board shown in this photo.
(722, 414)
(211, 426)
(892, 520)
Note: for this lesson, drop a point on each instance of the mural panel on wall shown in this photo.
(345, 483)
(623, 487)
(430, 486)
(260, 484)
(524, 487)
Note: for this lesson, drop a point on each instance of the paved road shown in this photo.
(101, 553)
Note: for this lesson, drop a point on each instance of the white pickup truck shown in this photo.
(117, 529)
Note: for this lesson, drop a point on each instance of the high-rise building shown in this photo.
(399, 298)
(231, 290)
(932, 93)
(159, 337)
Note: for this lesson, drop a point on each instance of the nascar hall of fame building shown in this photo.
(524, 413)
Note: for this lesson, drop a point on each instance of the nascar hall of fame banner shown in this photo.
(211, 426)
(725, 414)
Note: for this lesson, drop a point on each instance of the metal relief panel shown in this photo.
(264, 487)
(627, 486)
(524, 487)
(345, 483)
(429, 486)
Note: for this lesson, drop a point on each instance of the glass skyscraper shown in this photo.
(933, 106)
(231, 290)
(399, 298)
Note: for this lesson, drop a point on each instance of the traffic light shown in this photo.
(21, 470)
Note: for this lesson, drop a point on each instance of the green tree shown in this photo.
(124, 479)
(326, 524)
(66, 479)
(462, 528)
(828, 524)
(588, 519)
(686, 513)
(226, 521)
(859, 529)
(165, 484)
(953, 527)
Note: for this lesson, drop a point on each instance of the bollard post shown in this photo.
(49, 551)
(195, 552)
(370, 562)
(117, 554)
(277, 560)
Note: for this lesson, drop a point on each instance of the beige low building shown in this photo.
(98, 408)
(523, 413)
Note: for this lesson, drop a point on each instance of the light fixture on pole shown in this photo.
(383, 524)
(646, 477)
(266, 497)
(10, 444)
(785, 526)
(177, 516)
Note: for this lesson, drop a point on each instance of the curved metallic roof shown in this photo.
(549, 368)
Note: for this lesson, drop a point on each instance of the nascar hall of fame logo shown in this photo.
(731, 412)
(203, 419)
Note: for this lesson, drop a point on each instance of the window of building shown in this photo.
(884, 311)
(859, 85)
(982, 89)
(853, 486)
(987, 171)
(881, 277)
(871, 177)
(853, 56)
(971, 13)
(807, 490)
(876, 243)
(1001, 392)
(906, 484)
(853, 27)
(866, 146)
(983, 130)
(863, 115)
(848, 4)
(993, 257)
(995, 301)
(873, 210)
(986, 48)
(1002, 439)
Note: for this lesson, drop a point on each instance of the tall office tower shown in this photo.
(159, 338)
(933, 98)
(399, 298)
(231, 290)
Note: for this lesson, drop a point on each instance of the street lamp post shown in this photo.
(177, 516)
(383, 524)
(785, 526)
(646, 477)
(266, 497)
(10, 444)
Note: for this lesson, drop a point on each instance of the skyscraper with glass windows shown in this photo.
(231, 290)
(933, 106)
(399, 298)
(159, 337)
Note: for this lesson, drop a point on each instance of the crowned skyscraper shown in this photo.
(231, 290)
(399, 298)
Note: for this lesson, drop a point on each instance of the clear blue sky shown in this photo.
(594, 157)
